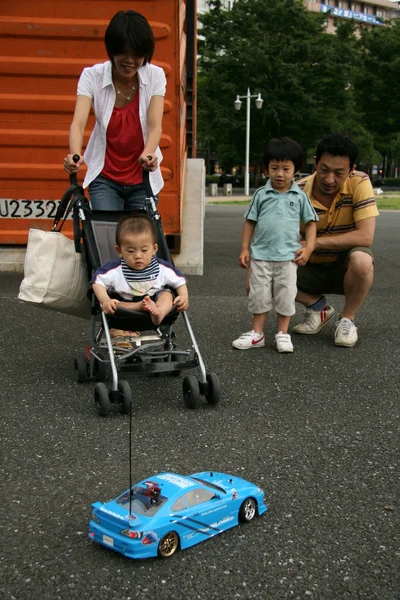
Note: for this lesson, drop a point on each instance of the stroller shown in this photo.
(154, 351)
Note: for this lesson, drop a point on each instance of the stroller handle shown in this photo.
(73, 178)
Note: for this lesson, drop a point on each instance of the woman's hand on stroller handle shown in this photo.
(72, 163)
(149, 162)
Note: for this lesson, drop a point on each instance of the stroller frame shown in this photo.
(153, 353)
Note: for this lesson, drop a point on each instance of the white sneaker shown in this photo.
(251, 339)
(346, 333)
(314, 320)
(283, 342)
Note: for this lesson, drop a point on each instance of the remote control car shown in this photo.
(168, 512)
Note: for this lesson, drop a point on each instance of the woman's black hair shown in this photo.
(283, 148)
(337, 144)
(129, 31)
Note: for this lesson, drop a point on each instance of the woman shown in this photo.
(127, 93)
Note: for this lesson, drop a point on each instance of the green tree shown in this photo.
(280, 49)
(378, 90)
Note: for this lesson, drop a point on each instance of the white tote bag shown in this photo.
(55, 275)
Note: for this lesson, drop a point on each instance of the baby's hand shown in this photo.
(110, 306)
(182, 303)
(302, 254)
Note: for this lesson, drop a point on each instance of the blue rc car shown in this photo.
(170, 511)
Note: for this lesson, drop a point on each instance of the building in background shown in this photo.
(366, 13)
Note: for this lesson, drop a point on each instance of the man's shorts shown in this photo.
(326, 278)
(273, 285)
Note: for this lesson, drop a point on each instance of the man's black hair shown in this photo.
(135, 223)
(129, 31)
(283, 148)
(338, 144)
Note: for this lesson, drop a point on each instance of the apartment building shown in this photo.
(366, 13)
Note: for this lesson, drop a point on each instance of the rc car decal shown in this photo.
(176, 480)
(204, 527)
(150, 538)
(113, 514)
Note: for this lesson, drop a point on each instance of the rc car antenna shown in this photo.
(130, 464)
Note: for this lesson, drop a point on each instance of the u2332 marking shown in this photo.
(28, 209)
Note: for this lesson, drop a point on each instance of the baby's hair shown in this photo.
(134, 224)
(338, 144)
(283, 148)
(129, 31)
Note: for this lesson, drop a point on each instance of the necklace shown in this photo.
(128, 97)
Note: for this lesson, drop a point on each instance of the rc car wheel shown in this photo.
(248, 510)
(125, 396)
(212, 395)
(191, 392)
(102, 399)
(81, 369)
(168, 544)
(99, 369)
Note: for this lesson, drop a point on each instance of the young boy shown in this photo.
(139, 278)
(272, 233)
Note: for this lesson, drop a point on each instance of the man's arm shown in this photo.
(362, 236)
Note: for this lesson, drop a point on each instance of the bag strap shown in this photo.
(75, 191)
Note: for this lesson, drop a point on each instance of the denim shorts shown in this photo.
(106, 194)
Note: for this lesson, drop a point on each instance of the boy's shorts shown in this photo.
(272, 285)
(327, 278)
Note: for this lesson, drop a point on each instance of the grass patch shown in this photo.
(388, 202)
(383, 202)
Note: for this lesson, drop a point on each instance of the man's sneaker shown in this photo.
(346, 333)
(283, 342)
(314, 320)
(251, 339)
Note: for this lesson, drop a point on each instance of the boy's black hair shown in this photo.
(337, 144)
(283, 148)
(135, 223)
(129, 31)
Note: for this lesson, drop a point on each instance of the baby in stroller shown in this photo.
(139, 280)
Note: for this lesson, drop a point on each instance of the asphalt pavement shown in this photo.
(318, 430)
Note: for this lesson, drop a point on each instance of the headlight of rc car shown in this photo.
(95, 519)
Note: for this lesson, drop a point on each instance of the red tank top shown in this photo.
(124, 145)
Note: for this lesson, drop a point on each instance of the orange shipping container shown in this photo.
(44, 45)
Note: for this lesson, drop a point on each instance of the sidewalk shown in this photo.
(228, 199)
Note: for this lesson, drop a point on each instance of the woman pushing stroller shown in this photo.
(127, 93)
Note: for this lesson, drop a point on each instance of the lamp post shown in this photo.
(238, 104)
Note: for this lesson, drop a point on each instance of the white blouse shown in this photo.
(96, 83)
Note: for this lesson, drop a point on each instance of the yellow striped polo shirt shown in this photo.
(354, 201)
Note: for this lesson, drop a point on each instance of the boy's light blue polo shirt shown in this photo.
(277, 216)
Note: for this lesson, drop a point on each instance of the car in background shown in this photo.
(301, 176)
(169, 511)
(228, 178)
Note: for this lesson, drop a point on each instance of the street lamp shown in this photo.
(238, 104)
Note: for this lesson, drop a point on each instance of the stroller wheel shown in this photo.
(125, 396)
(191, 392)
(102, 399)
(212, 394)
(81, 369)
